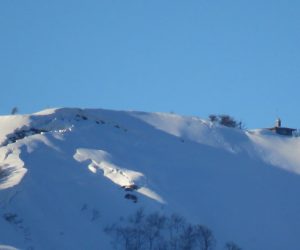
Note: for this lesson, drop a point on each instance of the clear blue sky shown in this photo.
(193, 57)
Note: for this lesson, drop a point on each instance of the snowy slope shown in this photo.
(62, 173)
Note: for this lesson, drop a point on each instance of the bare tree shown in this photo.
(137, 222)
(14, 111)
(188, 238)
(213, 118)
(204, 237)
(175, 225)
(131, 235)
(228, 121)
(159, 232)
(154, 225)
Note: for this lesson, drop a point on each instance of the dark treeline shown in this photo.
(227, 121)
(159, 232)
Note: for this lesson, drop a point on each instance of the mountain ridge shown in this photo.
(67, 167)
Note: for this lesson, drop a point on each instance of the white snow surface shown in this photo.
(62, 180)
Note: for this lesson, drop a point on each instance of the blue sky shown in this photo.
(193, 57)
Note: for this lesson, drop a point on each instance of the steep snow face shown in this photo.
(188, 128)
(280, 151)
(12, 168)
(68, 173)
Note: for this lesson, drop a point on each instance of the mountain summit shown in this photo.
(66, 174)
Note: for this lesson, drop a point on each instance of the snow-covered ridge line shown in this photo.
(68, 173)
(60, 120)
(186, 128)
(21, 134)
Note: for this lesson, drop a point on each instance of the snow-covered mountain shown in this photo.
(68, 173)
